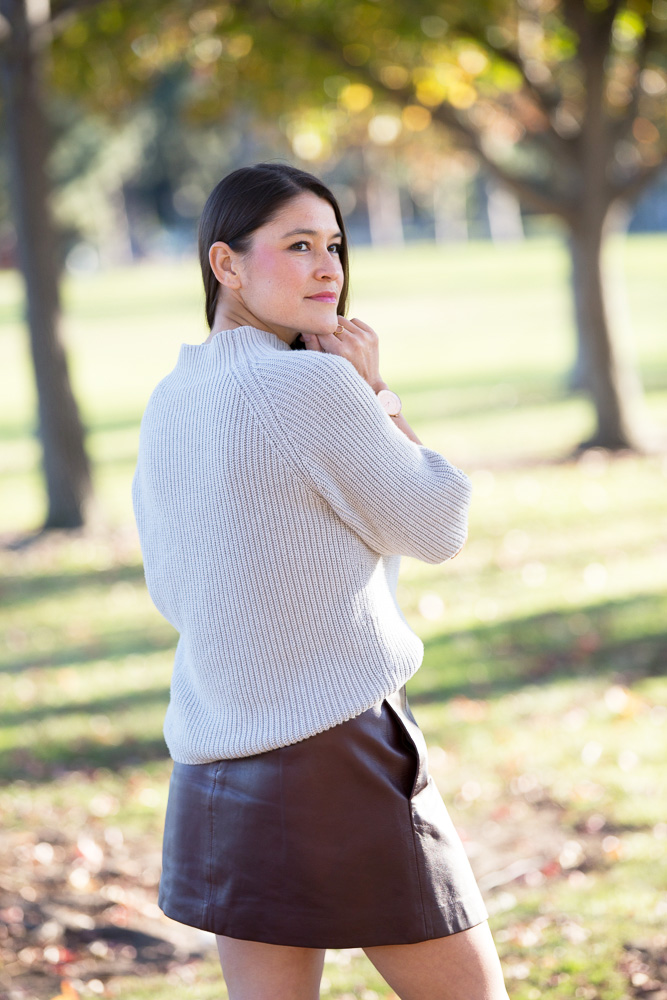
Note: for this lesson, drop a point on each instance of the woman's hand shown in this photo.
(355, 341)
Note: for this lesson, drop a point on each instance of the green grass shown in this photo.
(542, 694)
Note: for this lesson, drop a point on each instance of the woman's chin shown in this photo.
(321, 327)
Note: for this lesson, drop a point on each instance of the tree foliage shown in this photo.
(561, 100)
(518, 83)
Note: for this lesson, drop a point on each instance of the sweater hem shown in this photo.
(194, 759)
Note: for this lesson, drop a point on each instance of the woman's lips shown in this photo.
(323, 297)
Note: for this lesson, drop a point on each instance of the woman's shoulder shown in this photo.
(307, 376)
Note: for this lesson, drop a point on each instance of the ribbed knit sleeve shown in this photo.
(398, 496)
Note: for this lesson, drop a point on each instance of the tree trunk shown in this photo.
(450, 204)
(382, 201)
(611, 379)
(613, 290)
(608, 373)
(503, 212)
(65, 463)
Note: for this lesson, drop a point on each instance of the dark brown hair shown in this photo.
(247, 199)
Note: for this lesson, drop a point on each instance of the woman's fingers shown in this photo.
(357, 322)
(348, 324)
(311, 342)
(353, 340)
(354, 326)
(358, 328)
(329, 342)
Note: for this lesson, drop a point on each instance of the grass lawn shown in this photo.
(542, 694)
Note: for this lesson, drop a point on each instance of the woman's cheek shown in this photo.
(268, 267)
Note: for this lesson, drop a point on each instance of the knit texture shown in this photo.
(274, 498)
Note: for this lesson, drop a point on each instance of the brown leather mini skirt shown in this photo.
(341, 840)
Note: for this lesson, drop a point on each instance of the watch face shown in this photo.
(390, 401)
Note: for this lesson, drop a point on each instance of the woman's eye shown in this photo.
(336, 247)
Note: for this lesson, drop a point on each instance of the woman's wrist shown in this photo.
(398, 419)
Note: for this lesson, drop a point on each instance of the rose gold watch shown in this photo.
(390, 401)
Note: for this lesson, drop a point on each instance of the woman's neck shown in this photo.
(234, 314)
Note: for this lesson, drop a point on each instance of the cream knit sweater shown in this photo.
(273, 498)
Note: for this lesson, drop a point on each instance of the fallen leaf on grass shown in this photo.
(551, 869)
(469, 709)
(623, 702)
(645, 967)
(67, 992)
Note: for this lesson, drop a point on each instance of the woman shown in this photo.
(277, 486)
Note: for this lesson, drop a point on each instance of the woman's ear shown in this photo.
(223, 264)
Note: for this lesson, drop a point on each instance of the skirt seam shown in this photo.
(207, 902)
(419, 878)
(413, 750)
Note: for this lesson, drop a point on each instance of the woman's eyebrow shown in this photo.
(307, 232)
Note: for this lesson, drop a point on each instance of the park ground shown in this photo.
(542, 694)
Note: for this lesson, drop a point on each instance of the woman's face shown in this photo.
(291, 278)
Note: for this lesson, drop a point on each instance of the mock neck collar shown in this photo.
(232, 342)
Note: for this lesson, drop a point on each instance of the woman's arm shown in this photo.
(359, 343)
(400, 496)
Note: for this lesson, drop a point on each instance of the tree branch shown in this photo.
(532, 194)
(65, 10)
(5, 35)
(593, 29)
(631, 189)
(546, 100)
(624, 124)
(588, 25)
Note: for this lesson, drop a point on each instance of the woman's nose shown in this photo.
(327, 267)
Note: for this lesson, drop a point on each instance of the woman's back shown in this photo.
(273, 498)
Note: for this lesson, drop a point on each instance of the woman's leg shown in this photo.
(463, 966)
(257, 971)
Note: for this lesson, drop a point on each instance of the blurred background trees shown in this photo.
(26, 31)
(439, 120)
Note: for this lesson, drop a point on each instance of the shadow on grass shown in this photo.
(624, 638)
(82, 754)
(17, 590)
(96, 706)
(10, 431)
(498, 391)
(115, 646)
